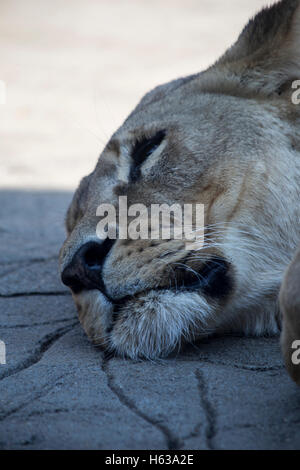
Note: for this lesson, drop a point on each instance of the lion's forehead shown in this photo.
(213, 141)
(202, 146)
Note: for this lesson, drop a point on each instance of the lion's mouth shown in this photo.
(213, 280)
(152, 322)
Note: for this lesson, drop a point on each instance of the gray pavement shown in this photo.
(58, 391)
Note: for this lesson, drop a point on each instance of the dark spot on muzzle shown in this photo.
(213, 279)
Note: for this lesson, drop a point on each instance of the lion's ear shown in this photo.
(266, 56)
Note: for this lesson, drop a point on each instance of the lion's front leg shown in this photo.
(290, 307)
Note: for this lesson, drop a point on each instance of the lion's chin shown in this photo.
(95, 314)
(149, 326)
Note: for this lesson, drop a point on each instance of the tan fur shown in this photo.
(232, 144)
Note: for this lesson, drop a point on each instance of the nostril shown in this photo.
(92, 258)
(94, 253)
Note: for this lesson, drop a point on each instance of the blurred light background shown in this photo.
(74, 69)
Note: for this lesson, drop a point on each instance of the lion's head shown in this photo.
(227, 138)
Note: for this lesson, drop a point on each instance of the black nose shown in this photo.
(84, 271)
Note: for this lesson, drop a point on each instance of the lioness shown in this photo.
(228, 138)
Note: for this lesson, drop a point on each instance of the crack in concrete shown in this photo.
(173, 442)
(29, 261)
(42, 393)
(240, 426)
(33, 294)
(43, 345)
(29, 325)
(56, 411)
(245, 367)
(234, 365)
(209, 410)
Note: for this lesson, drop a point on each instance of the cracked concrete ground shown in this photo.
(72, 76)
(58, 391)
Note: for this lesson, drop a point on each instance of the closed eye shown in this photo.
(142, 150)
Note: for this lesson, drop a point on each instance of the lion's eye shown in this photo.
(142, 149)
